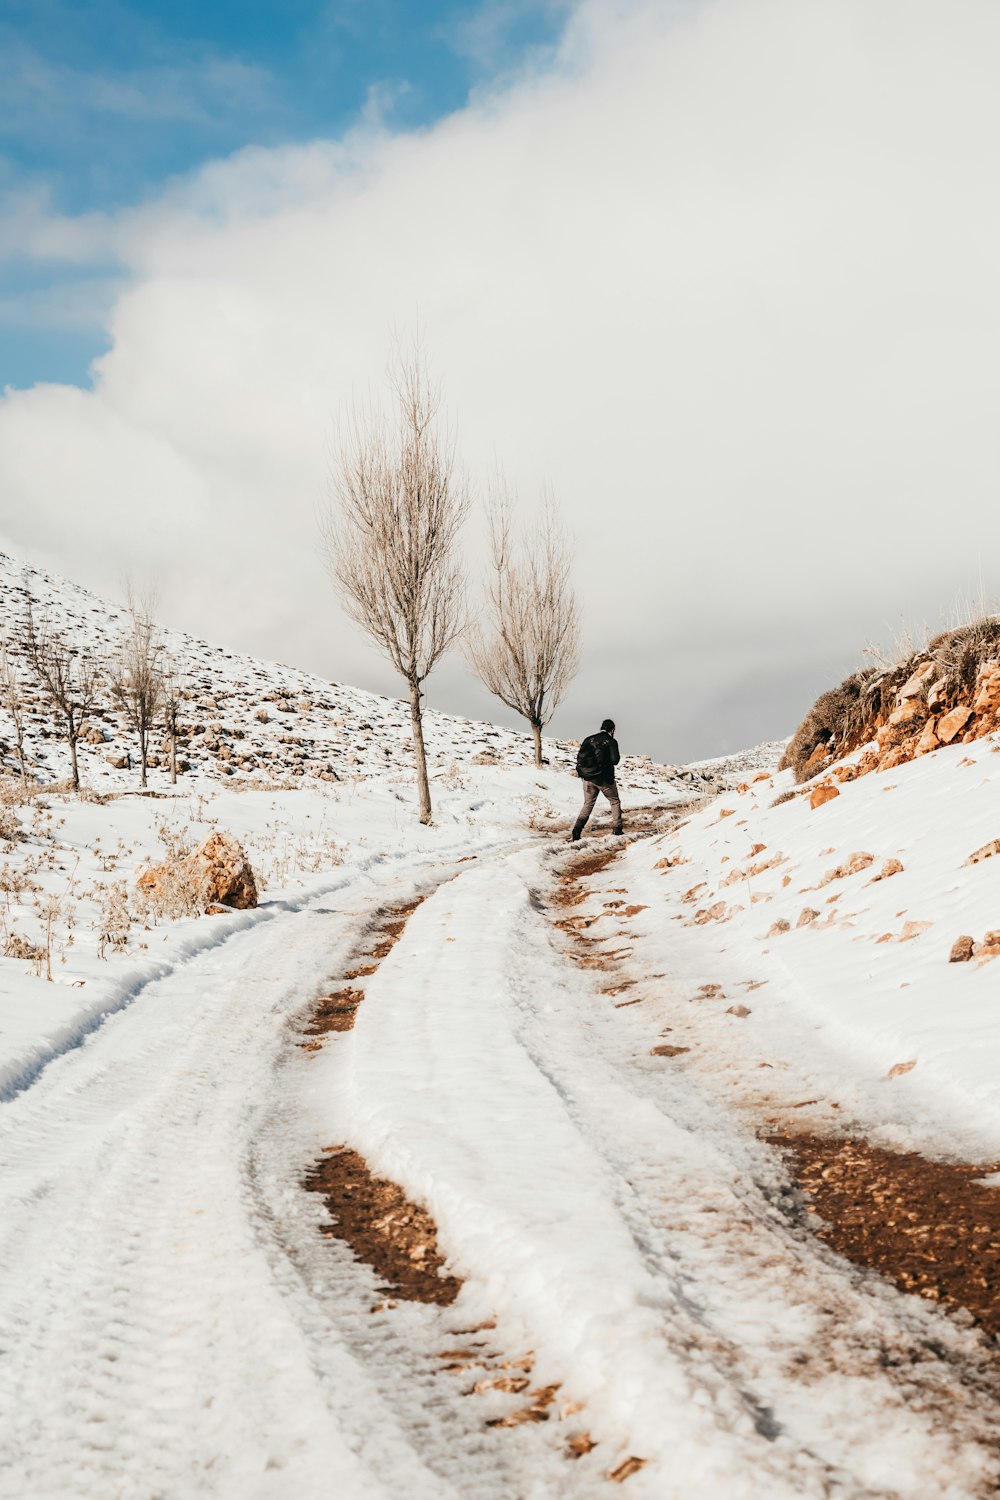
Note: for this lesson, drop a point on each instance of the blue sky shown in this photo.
(106, 100)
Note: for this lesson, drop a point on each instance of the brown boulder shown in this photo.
(215, 877)
(928, 740)
(951, 723)
(822, 793)
(223, 872)
(961, 949)
(987, 699)
(891, 867)
(816, 761)
(902, 722)
(917, 685)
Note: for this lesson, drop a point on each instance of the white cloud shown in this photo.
(724, 275)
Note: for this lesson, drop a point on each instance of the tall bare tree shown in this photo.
(136, 677)
(399, 501)
(528, 651)
(68, 679)
(12, 698)
(171, 705)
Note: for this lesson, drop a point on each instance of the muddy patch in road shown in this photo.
(337, 1011)
(372, 1215)
(932, 1227)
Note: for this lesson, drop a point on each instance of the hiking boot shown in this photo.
(575, 836)
(618, 832)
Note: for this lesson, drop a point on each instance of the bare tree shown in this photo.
(67, 677)
(171, 701)
(390, 535)
(528, 651)
(136, 679)
(12, 697)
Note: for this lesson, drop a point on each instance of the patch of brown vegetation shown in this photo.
(932, 1227)
(397, 1238)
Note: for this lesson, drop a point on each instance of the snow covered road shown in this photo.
(172, 1322)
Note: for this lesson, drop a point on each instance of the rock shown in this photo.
(891, 867)
(825, 792)
(987, 699)
(937, 694)
(816, 761)
(986, 852)
(928, 739)
(119, 762)
(898, 1069)
(847, 772)
(902, 722)
(664, 1049)
(917, 685)
(216, 875)
(992, 938)
(778, 927)
(961, 949)
(710, 913)
(738, 1010)
(912, 930)
(951, 723)
(807, 916)
(852, 866)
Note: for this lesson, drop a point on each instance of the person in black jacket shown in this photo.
(595, 765)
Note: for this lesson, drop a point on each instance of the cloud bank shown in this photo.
(723, 274)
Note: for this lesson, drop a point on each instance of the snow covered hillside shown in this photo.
(471, 1165)
(255, 722)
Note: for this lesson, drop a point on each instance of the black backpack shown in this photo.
(589, 760)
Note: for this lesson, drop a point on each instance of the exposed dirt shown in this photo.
(397, 1238)
(336, 1011)
(931, 1226)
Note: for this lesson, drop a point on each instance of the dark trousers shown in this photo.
(590, 791)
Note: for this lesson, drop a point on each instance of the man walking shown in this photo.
(595, 765)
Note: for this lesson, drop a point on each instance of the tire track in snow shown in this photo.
(397, 1239)
(938, 1369)
(154, 1339)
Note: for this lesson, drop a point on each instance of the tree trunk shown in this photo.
(72, 757)
(173, 757)
(536, 730)
(419, 753)
(142, 759)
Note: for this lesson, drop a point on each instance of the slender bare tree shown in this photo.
(390, 535)
(171, 702)
(528, 651)
(12, 698)
(136, 678)
(67, 676)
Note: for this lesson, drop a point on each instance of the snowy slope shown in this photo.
(242, 718)
(855, 982)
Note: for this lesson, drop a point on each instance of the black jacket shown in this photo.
(597, 758)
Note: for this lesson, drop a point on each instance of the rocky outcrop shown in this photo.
(216, 876)
(947, 695)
